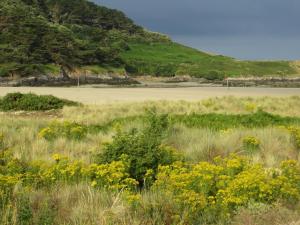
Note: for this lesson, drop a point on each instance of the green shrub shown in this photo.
(131, 68)
(143, 149)
(31, 102)
(214, 75)
(166, 70)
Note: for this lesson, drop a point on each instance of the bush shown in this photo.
(209, 193)
(167, 70)
(143, 149)
(31, 102)
(214, 75)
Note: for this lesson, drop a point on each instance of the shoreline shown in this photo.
(101, 81)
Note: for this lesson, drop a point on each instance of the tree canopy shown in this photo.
(68, 33)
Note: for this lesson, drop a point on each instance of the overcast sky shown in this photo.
(245, 29)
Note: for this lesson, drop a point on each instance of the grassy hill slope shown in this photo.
(175, 59)
(59, 36)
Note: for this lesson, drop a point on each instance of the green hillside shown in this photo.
(175, 59)
(53, 36)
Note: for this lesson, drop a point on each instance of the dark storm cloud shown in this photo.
(213, 16)
(216, 19)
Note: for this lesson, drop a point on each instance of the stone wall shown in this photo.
(268, 82)
(48, 81)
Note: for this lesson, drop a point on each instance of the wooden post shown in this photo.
(227, 83)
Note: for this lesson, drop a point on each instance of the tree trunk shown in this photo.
(64, 74)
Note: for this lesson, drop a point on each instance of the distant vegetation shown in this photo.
(170, 59)
(223, 121)
(32, 102)
(213, 121)
(68, 34)
(53, 36)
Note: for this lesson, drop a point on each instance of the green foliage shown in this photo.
(66, 33)
(213, 121)
(31, 102)
(47, 213)
(142, 149)
(63, 129)
(214, 75)
(24, 210)
(30, 40)
(224, 121)
(1, 141)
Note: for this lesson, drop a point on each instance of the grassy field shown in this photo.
(220, 161)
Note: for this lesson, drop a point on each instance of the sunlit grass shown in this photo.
(81, 204)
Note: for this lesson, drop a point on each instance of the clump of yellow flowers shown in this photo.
(251, 143)
(111, 176)
(250, 107)
(226, 184)
(66, 129)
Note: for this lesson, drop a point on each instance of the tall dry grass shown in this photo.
(91, 114)
(21, 131)
(205, 144)
(21, 136)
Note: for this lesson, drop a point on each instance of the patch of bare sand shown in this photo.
(110, 95)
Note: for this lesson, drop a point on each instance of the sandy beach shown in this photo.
(109, 95)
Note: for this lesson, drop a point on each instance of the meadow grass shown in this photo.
(100, 114)
(205, 144)
(221, 131)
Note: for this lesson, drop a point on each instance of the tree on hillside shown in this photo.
(67, 33)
